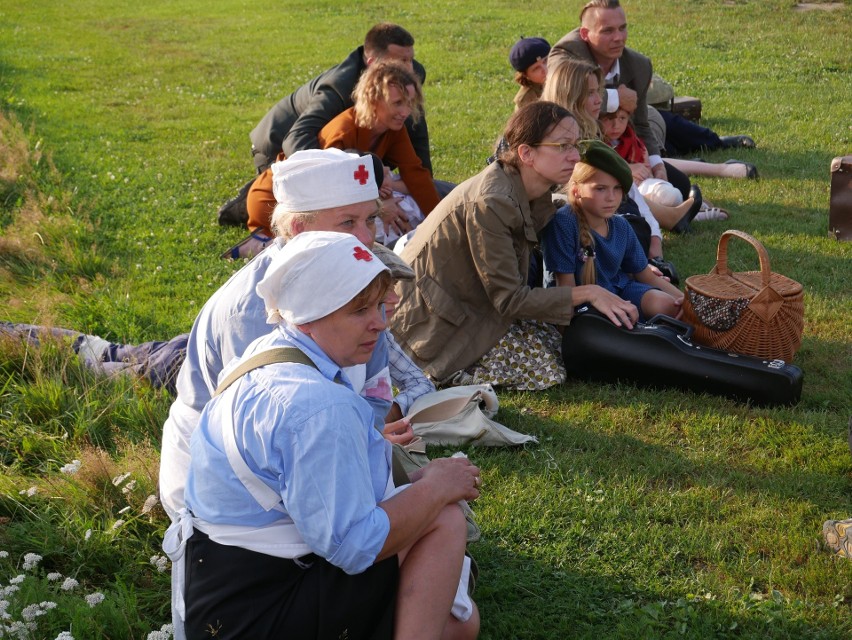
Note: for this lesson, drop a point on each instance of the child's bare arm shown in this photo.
(647, 276)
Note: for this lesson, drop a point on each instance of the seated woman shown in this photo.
(469, 315)
(384, 97)
(576, 85)
(587, 244)
(292, 526)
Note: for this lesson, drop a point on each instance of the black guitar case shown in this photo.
(660, 353)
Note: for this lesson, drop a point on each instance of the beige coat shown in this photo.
(471, 258)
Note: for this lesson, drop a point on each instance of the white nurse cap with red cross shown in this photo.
(316, 179)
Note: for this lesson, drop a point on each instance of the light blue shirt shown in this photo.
(311, 440)
(229, 321)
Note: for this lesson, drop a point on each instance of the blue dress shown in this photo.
(617, 256)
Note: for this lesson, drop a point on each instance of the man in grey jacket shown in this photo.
(601, 39)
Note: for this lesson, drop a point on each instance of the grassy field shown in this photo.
(124, 126)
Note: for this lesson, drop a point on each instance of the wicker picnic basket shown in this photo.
(757, 313)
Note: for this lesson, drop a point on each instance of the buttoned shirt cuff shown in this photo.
(611, 100)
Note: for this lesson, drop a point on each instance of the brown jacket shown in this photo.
(471, 258)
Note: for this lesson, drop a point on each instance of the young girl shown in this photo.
(619, 133)
(586, 246)
(528, 58)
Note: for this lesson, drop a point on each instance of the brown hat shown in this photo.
(398, 267)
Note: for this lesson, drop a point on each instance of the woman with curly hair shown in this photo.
(386, 94)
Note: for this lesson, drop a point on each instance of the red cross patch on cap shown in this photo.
(362, 254)
(362, 175)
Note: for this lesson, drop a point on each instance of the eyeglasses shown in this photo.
(561, 146)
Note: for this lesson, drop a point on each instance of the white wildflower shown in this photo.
(17, 579)
(53, 577)
(71, 468)
(117, 480)
(150, 502)
(47, 605)
(160, 562)
(130, 486)
(165, 633)
(31, 612)
(65, 635)
(31, 561)
(117, 525)
(4, 554)
(18, 630)
(94, 599)
(7, 591)
(28, 492)
(88, 534)
(125, 510)
(70, 583)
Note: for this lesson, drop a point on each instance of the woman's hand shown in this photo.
(640, 172)
(399, 432)
(386, 190)
(455, 478)
(394, 217)
(620, 312)
(659, 171)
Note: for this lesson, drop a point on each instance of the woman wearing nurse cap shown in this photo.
(294, 528)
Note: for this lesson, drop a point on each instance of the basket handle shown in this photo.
(722, 255)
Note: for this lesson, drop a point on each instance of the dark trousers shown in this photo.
(233, 593)
(684, 136)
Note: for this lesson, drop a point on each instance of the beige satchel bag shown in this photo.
(462, 415)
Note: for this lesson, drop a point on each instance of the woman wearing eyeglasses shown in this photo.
(469, 315)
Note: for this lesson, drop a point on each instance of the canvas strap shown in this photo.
(292, 354)
(272, 356)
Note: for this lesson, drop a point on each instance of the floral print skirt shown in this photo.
(527, 358)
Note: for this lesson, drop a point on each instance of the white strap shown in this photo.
(265, 496)
(174, 544)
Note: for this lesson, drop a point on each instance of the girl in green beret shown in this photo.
(587, 244)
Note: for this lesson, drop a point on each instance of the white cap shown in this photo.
(316, 179)
(315, 274)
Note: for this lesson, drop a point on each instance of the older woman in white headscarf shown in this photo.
(293, 527)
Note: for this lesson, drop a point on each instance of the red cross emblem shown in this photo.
(362, 174)
(362, 254)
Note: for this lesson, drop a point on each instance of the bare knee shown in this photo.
(451, 522)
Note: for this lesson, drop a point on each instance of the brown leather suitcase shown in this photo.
(840, 205)
(687, 107)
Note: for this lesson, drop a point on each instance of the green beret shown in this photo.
(603, 157)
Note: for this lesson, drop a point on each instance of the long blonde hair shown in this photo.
(582, 174)
(567, 85)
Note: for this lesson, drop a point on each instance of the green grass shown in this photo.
(124, 126)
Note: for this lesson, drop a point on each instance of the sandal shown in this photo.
(710, 213)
